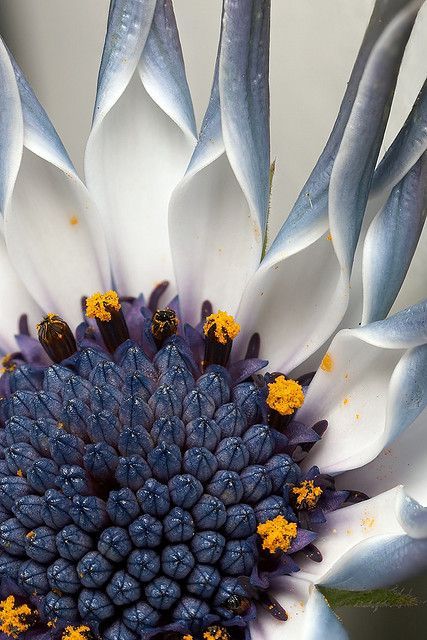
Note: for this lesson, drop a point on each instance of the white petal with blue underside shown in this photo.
(301, 289)
(391, 242)
(309, 615)
(51, 226)
(218, 212)
(372, 544)
(408, 146)
(141, 141)
(370, 388)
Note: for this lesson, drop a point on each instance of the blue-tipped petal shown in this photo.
(142, 100)
(391, 242)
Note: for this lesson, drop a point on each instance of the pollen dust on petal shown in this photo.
(74, 220)
(327, 363)
(367, 523)
(346, 401)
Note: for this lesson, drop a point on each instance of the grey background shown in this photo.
(58, 43)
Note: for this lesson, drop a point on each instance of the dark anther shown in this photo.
(107, 311)
(356, 496)
(254, 346)
(312, 553)
(56, 338)
(271, 605)
(206, 310)
(238, 604)
(163, 325)
(156, 294)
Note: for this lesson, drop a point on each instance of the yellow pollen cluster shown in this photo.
(277, 534)
(216, 633)
(307, 494)
(75, 633)
(7, 364)
(13, 619)
(99, 305)
(226, 328)
(284, 396)
(187, 637)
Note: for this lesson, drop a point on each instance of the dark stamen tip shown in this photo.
(56, 338)
(163, 325)
(271, 605)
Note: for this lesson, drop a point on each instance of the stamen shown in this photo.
(277, 534)
(306, 495)
(13, 619)
(284, 396)
(107, 311)
(76, 633)
(238, 604)
(215, 632)
(271, 605)
(220, 329)
(163, 325)
(56, 338)
(7, 364)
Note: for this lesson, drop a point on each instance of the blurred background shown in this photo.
(58, 44)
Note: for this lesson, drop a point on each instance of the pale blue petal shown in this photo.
(406, 149)
(355, 162)
(217, 213)
(310, 210)
(129, 23)
(391, 242)
(11, 128)
(244, 96)
(39, 133)
(412, 516)
(403, 330)
(141, 141)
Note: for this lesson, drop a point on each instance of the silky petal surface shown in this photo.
(277, 301)
(141, 141)
(406, 149)
(47, 201)
(370, 388)
(15, 301)
(218, 212)
(371, 544)
(309, 615)
(391, 242)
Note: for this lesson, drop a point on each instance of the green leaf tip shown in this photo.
(374, 599)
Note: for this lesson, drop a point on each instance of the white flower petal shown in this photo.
(141, 141)
(309, 615)
(217, 213)
(371, 544)
(14, 301)
(290, 290)
(371, 387)
(50, 224)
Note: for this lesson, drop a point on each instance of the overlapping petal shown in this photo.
(218, 211)
(309, 615)
(50, 224)
(371, 544)
(142, 137)
(370, 387)
(306, 269)
(391, 242)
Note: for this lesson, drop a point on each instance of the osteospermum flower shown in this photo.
(163, 471)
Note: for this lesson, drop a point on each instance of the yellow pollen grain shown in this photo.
(329, 236)
(327, 363)
(13, 619)
(368, 523)
(277, 534)
(20, 473)
(357, 416)
(307, 494)
(76, 633)
(7, 364)
(215, 632)
(74, 220)
(99, 305)
(226, 328)
(31, 535)
(284, 396)
(187, 636)
(346, 401)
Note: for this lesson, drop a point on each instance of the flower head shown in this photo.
(154, 480)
